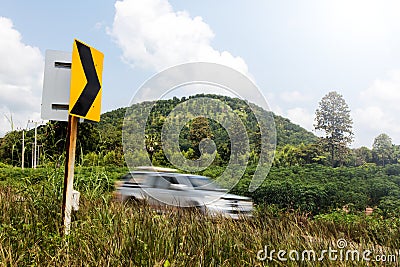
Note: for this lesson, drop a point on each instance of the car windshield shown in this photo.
(201, 182)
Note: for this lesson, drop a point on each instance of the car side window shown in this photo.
(171, 179)
(134, 178)
(126, 177)
(165, 181)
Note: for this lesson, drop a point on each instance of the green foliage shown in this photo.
(10, 148)
(92, 159)
(393, 169)
(3, 165)
(113, 158)
(360, 156)
(199, 130)
(319, 189)
(291, 155)
(390, 205)
(358, 225)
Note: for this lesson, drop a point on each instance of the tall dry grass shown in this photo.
(107, 233)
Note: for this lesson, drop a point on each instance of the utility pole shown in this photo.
(35, 160)
(38, 153)
(23, 149)
(34, 153)
(23, 145)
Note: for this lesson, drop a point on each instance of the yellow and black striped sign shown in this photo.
(86, 80)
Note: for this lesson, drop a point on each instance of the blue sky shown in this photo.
(296, 51)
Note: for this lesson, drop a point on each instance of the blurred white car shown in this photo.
(165, 187)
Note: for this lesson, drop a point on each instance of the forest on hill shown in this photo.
(105, 138)
(304, 175)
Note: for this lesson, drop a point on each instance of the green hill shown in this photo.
(106, 136)
(287, 132)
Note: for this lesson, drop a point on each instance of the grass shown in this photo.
(107, 233)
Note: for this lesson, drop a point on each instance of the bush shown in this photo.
(392, 169)
(113, 159)
(91, 159)
(3, 165)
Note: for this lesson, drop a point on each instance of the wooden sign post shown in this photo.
(72, 133)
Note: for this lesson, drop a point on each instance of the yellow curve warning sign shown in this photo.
(86, 81)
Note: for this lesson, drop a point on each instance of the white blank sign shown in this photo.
(56, 85)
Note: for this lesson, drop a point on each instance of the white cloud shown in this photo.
(287, 104)
(371, 121)
(302, 117)
(385, 91)
(154, 36)
(273, 103)
(378, 111)
(21, 74)
(294, 96)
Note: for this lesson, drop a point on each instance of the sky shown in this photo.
(296, 51)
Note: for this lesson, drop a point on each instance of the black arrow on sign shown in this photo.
(92, 86)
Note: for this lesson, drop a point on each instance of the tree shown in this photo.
(396, 154)
(361, 156)
(333, 117)
(291, 155)
(199, 130)
(10, 148)
(382, 148)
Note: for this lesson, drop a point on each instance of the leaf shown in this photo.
(167, 263)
